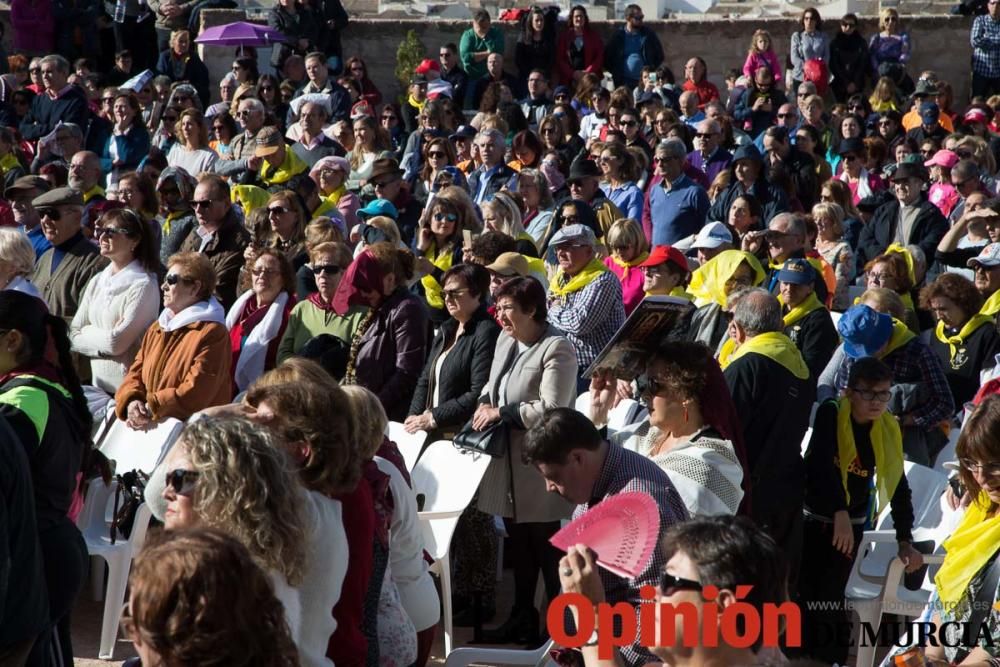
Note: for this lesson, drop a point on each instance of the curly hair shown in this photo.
(958, 289)
(198, 598)
(683, 368)
(313, 408)
(246, 488)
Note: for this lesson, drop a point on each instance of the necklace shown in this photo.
(350, 376)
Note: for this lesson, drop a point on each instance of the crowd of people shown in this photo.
(292, 262)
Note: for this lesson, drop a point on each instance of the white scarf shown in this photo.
(864, 188)
(110, 283)
(203, 311)
(253, 355)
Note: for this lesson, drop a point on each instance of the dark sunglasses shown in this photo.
(669, 584)
(446, 217)
(278, 210)
(170, 119)
(330, 269)
(648, 387)
(627, 123)
(702, 135)
(201, 203)
(173, 279)
(436, 154)
(786, 115)
(266, 89)
(50, 213)
(182, 481)
(112, 231)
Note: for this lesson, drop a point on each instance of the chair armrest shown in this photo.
(428, 516)
(872, 537)
(894, 578)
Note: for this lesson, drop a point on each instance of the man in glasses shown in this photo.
(801, 167)
(909, 219)
(58, 102)
(313, 144)
(807, 321)
(708, 156)
(66, 268)
(493, 173)
(233, 164)
(64, 143)
(987, 270)
(926, 91)
(175, 189)
(219, 235)
(675, 205)
(930, 126)
(20, 196)
(985, 58)
(452, 72)
(538, 103)
(631, 48)
(849, 62)
(585, 469)
(760, 102)
(276, 165)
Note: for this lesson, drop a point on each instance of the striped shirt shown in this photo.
(590, 316)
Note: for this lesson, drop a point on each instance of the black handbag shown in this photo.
(493, 440)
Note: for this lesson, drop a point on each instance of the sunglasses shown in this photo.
(628, 123)
(702, 135)
(329, 269)
(267, 89)
(445, 217)
(51, 213)
(278, 210)
(389, 117)
(218, 127)
(112, 231)
(648, 387)
(170, 119)
(172, 279)
(257, 272)
(182, 481)
(786, 115)
(202, 203)
(453, 294)
(436, 154)
(669, 584)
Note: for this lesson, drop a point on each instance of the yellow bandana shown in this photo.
(625, 266)
(292, 166)
(953, 342)
(798, 312)
(414, 103)
(777, 347)
(992, 305)
(708, 281)
(887, 443)
(432, 288)
(901, 335)
(95, 191)
(588, 275)
(969, 548)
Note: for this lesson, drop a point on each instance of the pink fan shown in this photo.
(622, 530)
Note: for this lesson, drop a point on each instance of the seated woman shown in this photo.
(439, 244)
(665, 273)
(184, 362)
(191, 152)
(330, 175)
(854, 440)
(711, 283)
(460, 356)
(691, 428)
(287, 221)
(390, 345)
(533, 186)
(258, 319)
(894, 270)
(17, 262)
(629, 249)
(965, 340)
(315, 315)
(835, 250)
(120, 302)
(503, 214)
(232, 475)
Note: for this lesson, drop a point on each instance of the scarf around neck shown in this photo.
(779, 348)
(625, 266)
(589, 274)
(992, 305)
(887, 444)
(967, 330)
(795, 314)
(969, 549)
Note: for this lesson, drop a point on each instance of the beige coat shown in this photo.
(543, 377)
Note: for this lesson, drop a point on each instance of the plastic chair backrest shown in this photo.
(139, 450)
(409, 444)
(947, 454)
(627, 412)
(582, 404)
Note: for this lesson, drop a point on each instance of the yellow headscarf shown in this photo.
(887, 443)
(775, 346)
(708, 282)
(953, 342)
(579, 281)
(968, 549)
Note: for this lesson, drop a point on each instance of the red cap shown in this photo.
(427, 65)
(666, 253)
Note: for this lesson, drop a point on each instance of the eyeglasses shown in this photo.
(874, 396)
(669, 584)
(570, 247)
(217, 128)
(243, 112)
(848, 24)
(445, 217)
(850, 158)
(700, 135)
(182, 481)
(453, 294)
(330, 269)
(266, 89)
(880, 277)
(389, 117)
(628, 123)
(437, 154)
(173, 279)
(260, 271)
(984, 469)
(51, 213)
(383, 184)
(278, 210)
(786, 115)
(202, 203)
(112, 231)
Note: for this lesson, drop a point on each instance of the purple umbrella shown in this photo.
(240, 33)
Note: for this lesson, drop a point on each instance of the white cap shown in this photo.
(712, 236)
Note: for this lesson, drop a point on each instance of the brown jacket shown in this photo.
(63, 288)
(180, 372)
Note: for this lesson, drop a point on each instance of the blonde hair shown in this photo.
(760, 33)
(884, 15)
(341, 253)
(372, 420)
(507, 211)
(627, 232)
(981, 153)
(16, 249)
(885, 301)
(832, 212)
(322, 230)
(247, 489)
(387, 226)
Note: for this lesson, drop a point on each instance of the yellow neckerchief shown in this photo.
(968, 549)
(953, 342)
(9, 162)
(887, 444)
(291, 166)
(250, 197)
(432, 288)
(708, 281)
(334, 197)
(93, 192)
(992, 305)
(173, 215)
(678, 292)
(726, 352)
(777, 347)
(901, 335)
(589, 273)
(625, 266)
(795, 314)
(414, 103)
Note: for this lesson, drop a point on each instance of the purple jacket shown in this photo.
(718, 161)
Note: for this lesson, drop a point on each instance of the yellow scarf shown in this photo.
(334, 197)
(992, 305)
(968, 549)
(625, 266)
(708, 281)
(953, 342)
(588, 275)
(677, 292)
(168, 221)
(777, 347)
(8, 162)
(432, 288)
(292, 166)
(798, 312)
(901, 335)
(93, 192)
(726, 352)
(250, 197)
(418, 105)
(887, 443)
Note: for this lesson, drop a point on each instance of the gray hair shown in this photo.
(56, 61)
(809, 86)
(794, 224)
(492, 133)
(672, 147)
(255, 105)
(16, 249)
(73, 129)
(541, 182)
(755, 310)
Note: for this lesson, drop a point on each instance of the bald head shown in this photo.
(84, 171)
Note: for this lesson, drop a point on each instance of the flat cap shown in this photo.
(27, 185)
(59, 197)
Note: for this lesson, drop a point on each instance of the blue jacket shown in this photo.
(132, 147)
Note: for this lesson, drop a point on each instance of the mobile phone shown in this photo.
(466, 238)
(653, 78)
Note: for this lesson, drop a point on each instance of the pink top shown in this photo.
(756, 60)
(944, 196)
(631, 279)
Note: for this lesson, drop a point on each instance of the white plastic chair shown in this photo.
(409, 444)
(95, 524)
(462, 657)
(626, 413)
(139, 450)
(947, 454)
(447, 478)
(582, 404)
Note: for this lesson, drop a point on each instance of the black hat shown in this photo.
(852, 145)
(909, 170)
(583, 169)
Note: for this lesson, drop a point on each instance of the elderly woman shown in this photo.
(503, 214)
(965, 340)
(712, 283)
(533, 186)
(128, 143)
(893, 270)
(389, 346)
(258, 319)
(629, 249)
(119, 303)
(830, 243)
(191, 152)
(17, 262)
(175, 189)
(184, 362)
(534, 369)
(439, 243)
(315, 315)
(330, 175)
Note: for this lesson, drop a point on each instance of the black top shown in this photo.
(977, 353)
(816, 338)
(824, 486)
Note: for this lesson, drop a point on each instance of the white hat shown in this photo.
(712, 236)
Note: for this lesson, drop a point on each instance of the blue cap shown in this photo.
(378, 207)
(797, 272)
(864, 331)
(562, 90)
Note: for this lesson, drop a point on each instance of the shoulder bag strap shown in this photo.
(984, 599)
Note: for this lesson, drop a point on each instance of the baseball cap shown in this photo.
(864, 330)
(378, 207)
(427, 65)
(269, 139)
(925, 89)
(943, 158)
(463, 132)
(510, 264)
(562, 90)
(712, 236)
(975, 116)
(988, 257)
(574, 234)
(662, 254)
(797, 272)
(929, 112)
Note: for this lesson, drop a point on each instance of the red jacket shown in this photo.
(593, 54)
(348, 646)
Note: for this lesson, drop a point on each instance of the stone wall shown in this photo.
(939, 42)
